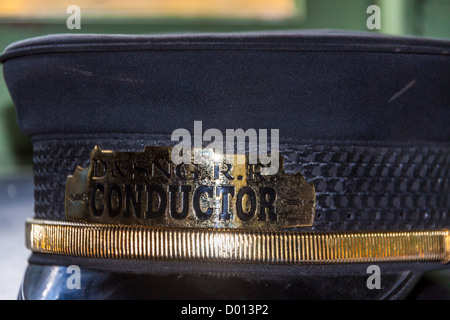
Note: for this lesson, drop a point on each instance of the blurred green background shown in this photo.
(426, 18)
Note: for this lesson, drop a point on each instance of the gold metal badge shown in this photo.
(148, 189)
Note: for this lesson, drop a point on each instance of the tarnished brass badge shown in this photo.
(148, 189)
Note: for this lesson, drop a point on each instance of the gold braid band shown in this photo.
(246, 246)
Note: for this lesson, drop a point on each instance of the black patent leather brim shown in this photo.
(130, 279)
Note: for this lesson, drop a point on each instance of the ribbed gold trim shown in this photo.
(135, 242)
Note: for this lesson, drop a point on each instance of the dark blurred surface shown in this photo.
(16, 204)
(434, 285)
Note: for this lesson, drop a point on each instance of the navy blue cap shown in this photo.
(321, 85)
